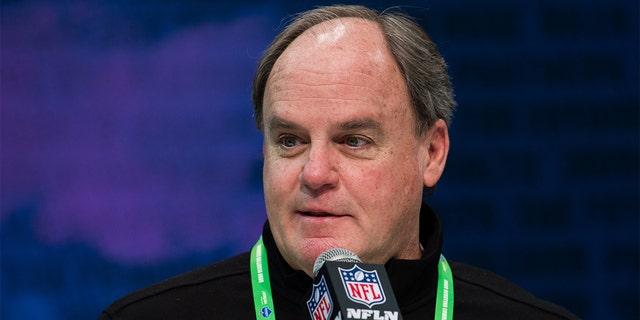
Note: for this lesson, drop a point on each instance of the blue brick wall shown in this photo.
(541, 185)
(542, 182)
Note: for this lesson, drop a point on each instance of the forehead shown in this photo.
(344, 58)
(338, 43)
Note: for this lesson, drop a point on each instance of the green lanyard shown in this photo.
(263, 300)
(260, 283)
(444, 297)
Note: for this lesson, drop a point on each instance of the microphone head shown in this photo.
(334, 254)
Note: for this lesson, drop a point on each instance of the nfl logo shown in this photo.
(362, 286)
(320, 304)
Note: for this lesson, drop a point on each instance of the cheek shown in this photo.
(370, 184)
(390, 184)
(278, 177)
(269, 180)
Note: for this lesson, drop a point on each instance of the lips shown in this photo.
(315, 214)
(320, 212)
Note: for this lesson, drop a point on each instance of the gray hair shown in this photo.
(417, 57)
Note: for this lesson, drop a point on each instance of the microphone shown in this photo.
(346, 288)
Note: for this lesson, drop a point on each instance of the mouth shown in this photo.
(316, 214)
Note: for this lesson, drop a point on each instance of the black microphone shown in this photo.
(346, 288)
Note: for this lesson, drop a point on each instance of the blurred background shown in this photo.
(129, 152)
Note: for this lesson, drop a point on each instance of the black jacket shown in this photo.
(223, 290)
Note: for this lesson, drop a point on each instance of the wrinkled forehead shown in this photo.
(339, 44)
(338, 30)
(338, 62)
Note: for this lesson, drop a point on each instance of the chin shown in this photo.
(311, 249)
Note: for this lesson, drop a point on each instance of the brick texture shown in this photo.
(541, 184)
(545, 147)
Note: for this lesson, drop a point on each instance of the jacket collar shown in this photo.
(408, 277)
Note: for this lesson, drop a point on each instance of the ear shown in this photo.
(436, 141)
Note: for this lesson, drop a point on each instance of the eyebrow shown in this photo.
(361, 124)
(278, 123)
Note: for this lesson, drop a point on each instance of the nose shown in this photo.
(319, 171)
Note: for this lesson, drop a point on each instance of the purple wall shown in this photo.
(129, 153)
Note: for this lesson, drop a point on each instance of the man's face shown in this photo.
(343, 166)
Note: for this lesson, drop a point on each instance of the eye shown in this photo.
(288, 141)
(355, 141)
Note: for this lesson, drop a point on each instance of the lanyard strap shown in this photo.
(263, 300)
(444, 297)
(260, 283)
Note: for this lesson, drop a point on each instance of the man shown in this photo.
(354, 106)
